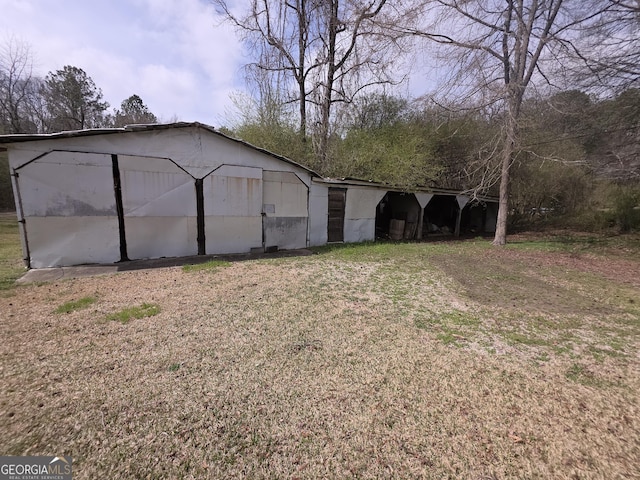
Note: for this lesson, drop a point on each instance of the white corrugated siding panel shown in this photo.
(285, 210)
(233, 209)
(318, 214)
(59, 241)
(159, 202)
(360, 213)
(69, 209)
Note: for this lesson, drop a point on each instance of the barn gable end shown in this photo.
(104, 196)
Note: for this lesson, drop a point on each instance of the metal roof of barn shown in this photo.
(346, 181)
(34, 137)
(350, 181)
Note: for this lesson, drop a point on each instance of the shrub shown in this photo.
(626, 208)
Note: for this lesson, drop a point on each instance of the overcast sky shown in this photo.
(175, 54)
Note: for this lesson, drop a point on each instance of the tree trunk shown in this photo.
(301, 77)
(500, 238)
(511, 136)
(323, 149)
(303, 111)
(327, 99)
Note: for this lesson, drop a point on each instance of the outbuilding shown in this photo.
(181, 189)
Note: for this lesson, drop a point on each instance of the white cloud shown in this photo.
(175, 54)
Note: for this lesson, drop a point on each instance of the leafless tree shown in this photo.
(500, 48)
(606, 48)
(327, 50)
(16, 86)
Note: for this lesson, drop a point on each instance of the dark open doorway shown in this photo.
(440, 216)
(397, 216)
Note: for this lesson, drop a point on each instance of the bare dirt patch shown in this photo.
(525, 280)
(370, 362)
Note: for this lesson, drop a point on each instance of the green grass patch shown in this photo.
(580, 374)
(125, 315)
(74, 305)
(577, 243)
(461, 319)
(543, 357)
(449, 326)
(406, 253)
(365, 251)
(424, 323)
(451, 337)
(524, 339)
(521, 295)
(211, 265)
(11, 264)
(456, 317)
(600, 353)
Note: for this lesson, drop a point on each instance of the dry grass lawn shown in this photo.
(434, 360)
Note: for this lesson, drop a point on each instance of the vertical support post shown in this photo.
(420, 224)
(462, 201)
(483, 228)
(423, 200)
(21, 220)
(202, 244)
(117, 189)
(456, 233)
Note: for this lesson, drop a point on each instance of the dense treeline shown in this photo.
(579, 161)
(501, 62)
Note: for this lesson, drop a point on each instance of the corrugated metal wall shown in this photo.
(233, 209)
(69, 209)
(285, 210)
(159, 208)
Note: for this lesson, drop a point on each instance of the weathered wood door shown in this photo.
(335, 223)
